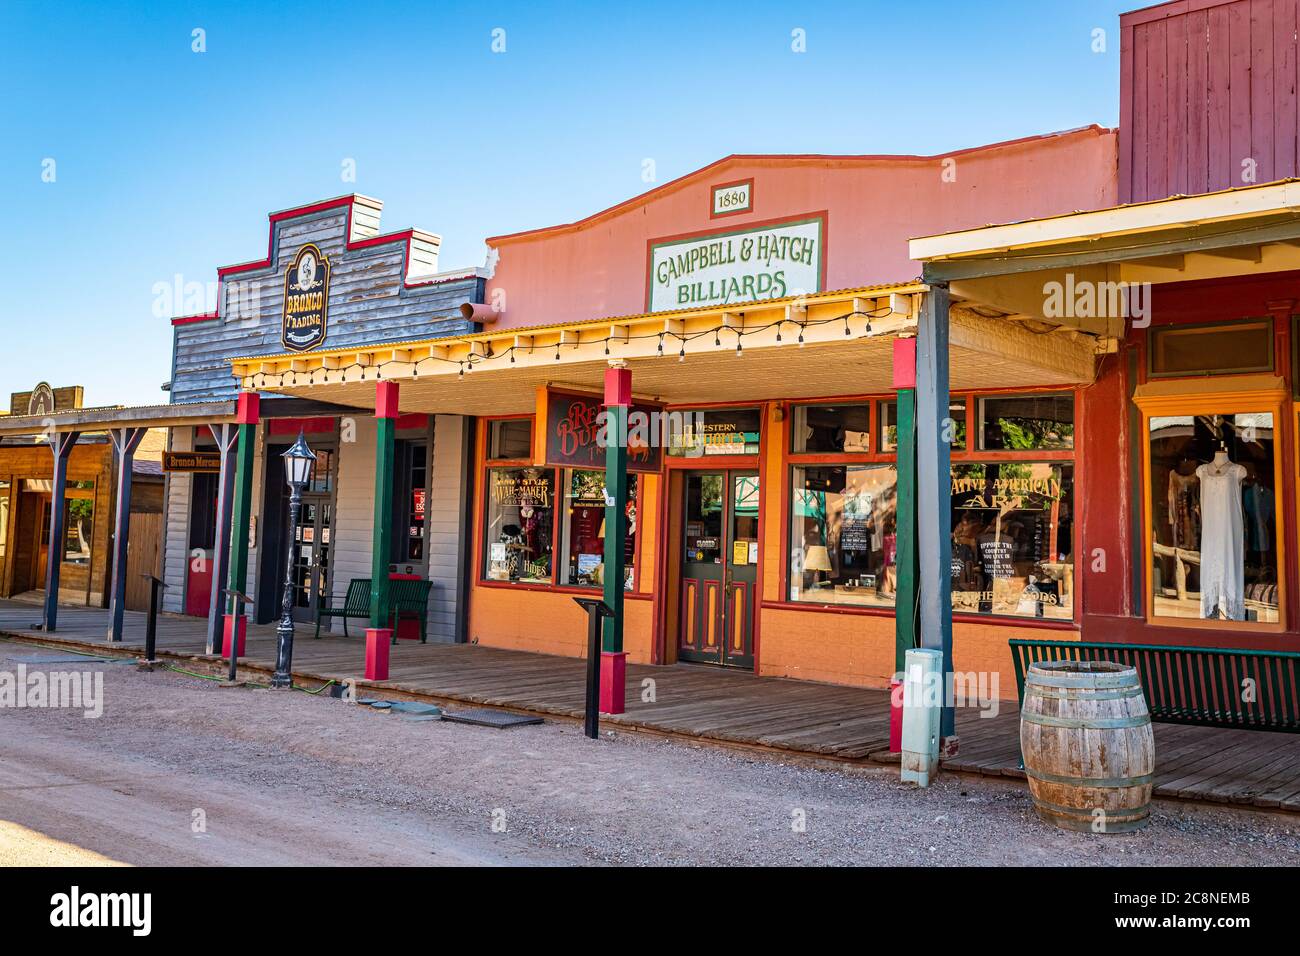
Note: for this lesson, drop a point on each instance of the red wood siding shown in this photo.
(1206, 85)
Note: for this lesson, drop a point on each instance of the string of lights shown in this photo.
(374, 372)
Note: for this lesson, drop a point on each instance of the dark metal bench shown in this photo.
(408, 600)
(1206, 686)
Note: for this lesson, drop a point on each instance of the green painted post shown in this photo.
(382, 542)
(613, 661)
(247, 412)
(906, 563)
(616, 487)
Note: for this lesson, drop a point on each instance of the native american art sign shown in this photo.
(764, 261)
(306, 300)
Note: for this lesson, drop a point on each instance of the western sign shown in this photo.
(765, 261)
(306, 300)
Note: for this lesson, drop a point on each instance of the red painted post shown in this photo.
(378, 640)
(379, 635)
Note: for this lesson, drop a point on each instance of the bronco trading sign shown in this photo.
(306, 300)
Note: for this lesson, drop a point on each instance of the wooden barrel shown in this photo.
(1085, 735)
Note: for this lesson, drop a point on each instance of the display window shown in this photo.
(546, 525)
(520, 525)
(1012, 504)
(843, 535)
(584, 530)
(1214, 502)
(1214, 517)
(1012, 538)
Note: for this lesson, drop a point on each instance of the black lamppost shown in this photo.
(297, 470)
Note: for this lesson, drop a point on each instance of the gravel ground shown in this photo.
(289, 778)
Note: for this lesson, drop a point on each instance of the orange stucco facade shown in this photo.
(596, 267)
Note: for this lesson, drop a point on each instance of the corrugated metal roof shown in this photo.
(492, 333)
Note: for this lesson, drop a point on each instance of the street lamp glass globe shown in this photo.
(298, 461)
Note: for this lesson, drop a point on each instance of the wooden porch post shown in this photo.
(618, 396)
(905, 558)
(125, 442)
(247, 411)
(61, 444)
(379, 634)
(934, 434)
(225, 436)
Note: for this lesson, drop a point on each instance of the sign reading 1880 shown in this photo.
(766, 261)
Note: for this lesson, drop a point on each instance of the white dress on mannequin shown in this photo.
(1222, 554)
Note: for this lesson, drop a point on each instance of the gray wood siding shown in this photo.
(449, 537)
(177, 530)
(368, 303)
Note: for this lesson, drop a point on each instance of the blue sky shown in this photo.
(167, 161)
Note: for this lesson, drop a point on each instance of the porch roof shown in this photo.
(179, 414)
(846, 349)
(1240, 231)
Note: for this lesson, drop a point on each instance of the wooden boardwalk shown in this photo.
(733, 708)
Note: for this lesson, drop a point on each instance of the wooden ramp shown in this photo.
(730, 707)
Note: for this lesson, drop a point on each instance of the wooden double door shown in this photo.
(719, 567)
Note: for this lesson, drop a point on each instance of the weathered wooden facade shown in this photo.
(378, 287)
(27, 502)
(1209, 96)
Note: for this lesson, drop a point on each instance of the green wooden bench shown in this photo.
(407, 601)
(1206, 686)
(355, 604)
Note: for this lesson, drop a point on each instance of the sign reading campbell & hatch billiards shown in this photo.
(306, 300)
(573, 426)
(769, 260)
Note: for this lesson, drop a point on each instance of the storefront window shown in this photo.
(1012, 538)
(1027, 422)
(78, 521)
(695, 434)
(321, 479)
(510, 439)
(410, 500)
(1214, 513)
(1211, 349)
(520, 520)
(889, 425)
(584, 529)
(842, 538)
(831, 429)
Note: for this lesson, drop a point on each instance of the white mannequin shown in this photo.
(1223, 555)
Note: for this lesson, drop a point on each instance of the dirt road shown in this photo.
(181, 771)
